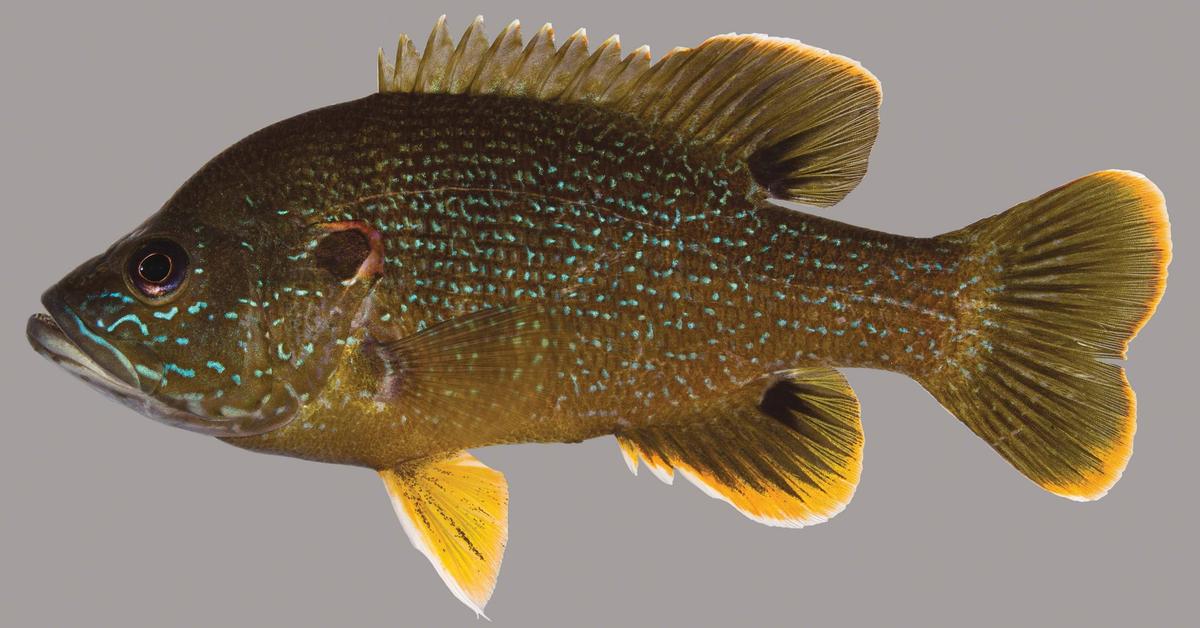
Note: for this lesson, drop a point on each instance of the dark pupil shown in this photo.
(155, 267)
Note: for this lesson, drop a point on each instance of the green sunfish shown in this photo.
(523, 242)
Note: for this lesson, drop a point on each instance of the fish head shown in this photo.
(219, 322)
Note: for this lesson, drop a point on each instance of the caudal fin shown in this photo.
(1075, 274)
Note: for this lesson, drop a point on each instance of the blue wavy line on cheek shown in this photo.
(132, 318)
(108, 295)
(90, 335)
(148, 372)
(175, 368)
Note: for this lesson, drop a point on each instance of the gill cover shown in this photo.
(221, 326)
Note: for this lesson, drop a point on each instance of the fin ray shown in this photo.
(483, 364)
(802, 118)
(455, 512)
(788, 457)
(1078, 270)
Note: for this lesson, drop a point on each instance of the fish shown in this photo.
(532, 242)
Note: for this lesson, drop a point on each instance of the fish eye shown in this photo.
(157, 268)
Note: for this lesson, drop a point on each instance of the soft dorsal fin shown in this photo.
(455, 512)
(802, 118)
(786, 452)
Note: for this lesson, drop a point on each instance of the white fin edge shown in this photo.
(418, 541)
(400, 485)
(798, 522)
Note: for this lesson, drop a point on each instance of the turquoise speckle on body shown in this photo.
(171, 367)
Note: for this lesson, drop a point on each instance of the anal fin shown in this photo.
(455, 512)
(785, 451)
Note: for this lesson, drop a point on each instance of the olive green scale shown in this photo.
(677, 279)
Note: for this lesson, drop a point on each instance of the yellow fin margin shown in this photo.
(1076, 272)
(789, 457)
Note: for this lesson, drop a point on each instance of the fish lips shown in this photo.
(65, 339)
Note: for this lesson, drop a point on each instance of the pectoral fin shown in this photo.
(784, 451)
(487, 365)
(455, 511)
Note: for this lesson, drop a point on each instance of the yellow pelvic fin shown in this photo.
(803, 119)
(1074, 274)
(785, 451)
(455, 511)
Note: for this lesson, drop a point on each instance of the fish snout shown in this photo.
(63, 336)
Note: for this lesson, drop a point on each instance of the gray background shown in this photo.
(109, 519)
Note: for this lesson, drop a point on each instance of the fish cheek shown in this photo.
(195, 355)
(319, 302)
(211, 341)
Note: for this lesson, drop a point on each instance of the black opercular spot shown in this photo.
(342, 252)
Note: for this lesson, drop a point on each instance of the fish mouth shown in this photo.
(65, 339)
(106, 368)
(112, 373)
(49, 339)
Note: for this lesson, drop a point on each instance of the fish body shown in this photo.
(519, 243)
(679, 281)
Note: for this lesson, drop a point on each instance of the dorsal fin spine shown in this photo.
(802, 119)
(433, 60)
(501, 58)
(594, 72)
(463, 65)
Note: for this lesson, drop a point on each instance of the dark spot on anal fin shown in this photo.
(784, 401)
(795, 406)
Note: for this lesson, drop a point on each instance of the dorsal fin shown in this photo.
(802, 118)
